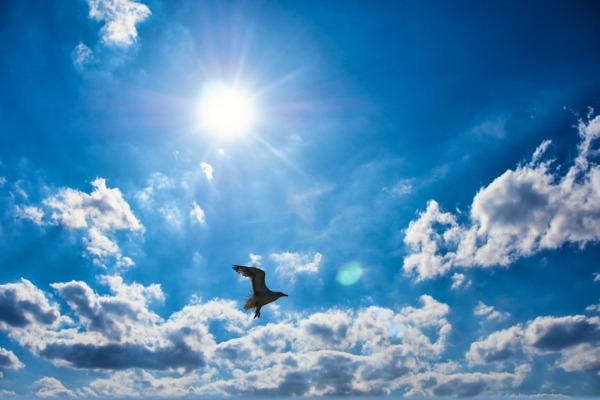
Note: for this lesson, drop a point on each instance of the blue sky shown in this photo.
(421, 178)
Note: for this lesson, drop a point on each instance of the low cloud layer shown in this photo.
(369, 351)
(522, 212)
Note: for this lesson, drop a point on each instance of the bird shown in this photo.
(261, 295)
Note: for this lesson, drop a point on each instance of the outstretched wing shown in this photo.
(257, 278)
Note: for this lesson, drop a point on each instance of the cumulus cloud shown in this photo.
(489, 313)
(99, 214)
(575, 338)
(523, 211)
(136, 383)
(460, 281)
(22, 304)
(116, 331)
(120, 18)
(8, 360)
(499, 346)
(367, 351)
(52, 387)
(335, 352)
(290, 265)
(103, 209)
(461, 384)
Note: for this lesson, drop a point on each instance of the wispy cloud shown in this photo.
(120, 18)
(290, 265)
(460, 281)
(32, 213)
(522, 212)
(197, 213)
(207, 169)
(82, 55)
(489, 312)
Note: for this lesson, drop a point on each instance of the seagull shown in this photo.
(261, 295)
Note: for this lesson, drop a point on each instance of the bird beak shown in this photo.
(283, 294)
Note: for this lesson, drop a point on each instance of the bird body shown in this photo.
(261, 295)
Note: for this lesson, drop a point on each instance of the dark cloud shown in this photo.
(555, 334)
(8, 360)
(333, 335)
(123, 356)
(22, 304)
(460, 388)
(233, 352)
(294, 384)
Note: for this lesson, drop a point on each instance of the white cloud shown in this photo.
(403, 187)
(593, 308)
(497, 347)
(596, 276)
(489, 313)
(197, 213)
(255, 259)
(104, 208)
(290, 265)
(99, 245)
(32, 213)
(100, 213)
(120, 18)
(207, 169)
(460, 280)
(52, 387)
(520, 213)
(139, 383)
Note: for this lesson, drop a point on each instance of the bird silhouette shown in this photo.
(261, 295)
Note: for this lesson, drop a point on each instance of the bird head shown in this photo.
(281, 294)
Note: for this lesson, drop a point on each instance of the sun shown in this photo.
(226, 110)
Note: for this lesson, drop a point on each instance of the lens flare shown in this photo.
(349, 273)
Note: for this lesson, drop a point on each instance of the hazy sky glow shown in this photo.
(421, 178)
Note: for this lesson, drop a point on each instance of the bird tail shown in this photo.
(250, 302)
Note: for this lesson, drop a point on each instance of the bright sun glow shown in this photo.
(226, 111)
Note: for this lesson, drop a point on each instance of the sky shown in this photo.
(421, 178)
